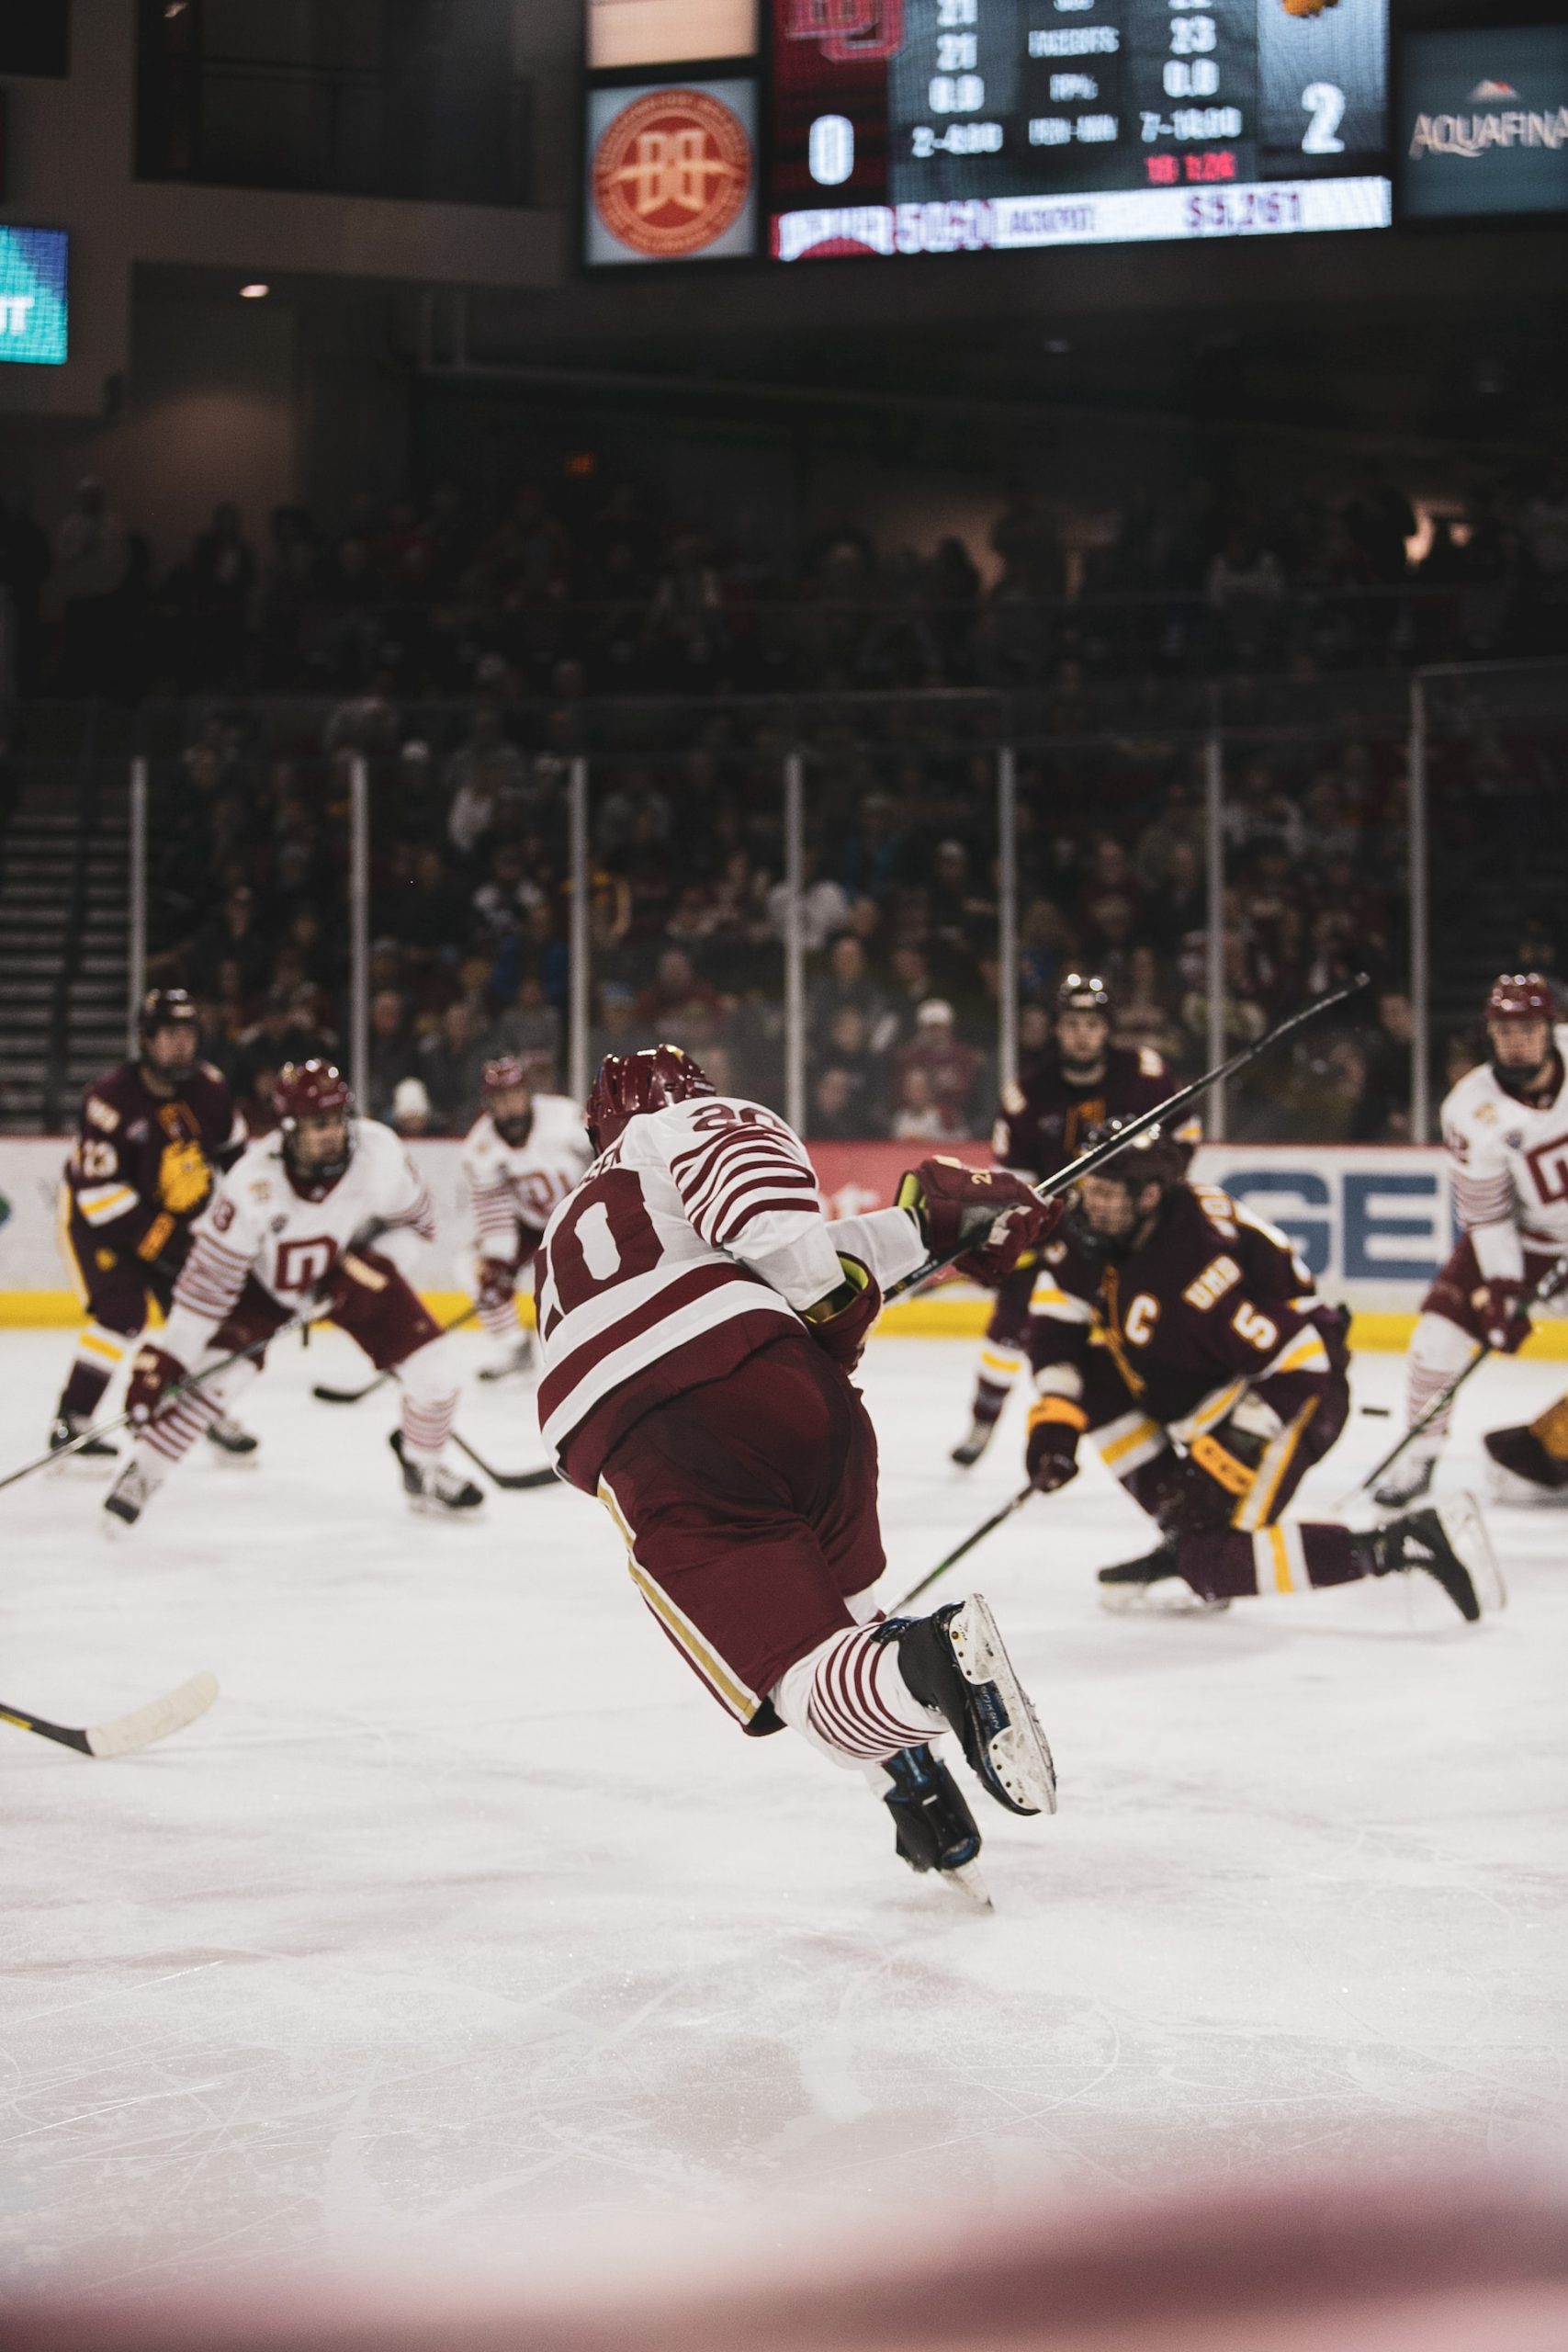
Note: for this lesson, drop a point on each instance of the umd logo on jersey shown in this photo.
(672, 173)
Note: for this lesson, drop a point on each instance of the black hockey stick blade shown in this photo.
(511, 1482)
(127, 1733)
(326, 1394)
(1128, 1129)
(987, 1527)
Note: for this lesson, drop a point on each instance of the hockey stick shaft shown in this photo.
(126, 1734)
(511, 1482)
(328, 1396)
(1087, 1162)
(192, 1383)
(1549, 1283)
(987, 1527)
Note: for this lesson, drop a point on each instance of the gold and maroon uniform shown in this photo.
(139, 1174)
(1210, 1377)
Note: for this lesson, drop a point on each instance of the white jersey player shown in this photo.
(312, 1219)
(1506, 1125)
(521, 1156)
(698, 1319)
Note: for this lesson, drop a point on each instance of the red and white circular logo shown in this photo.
(672, 173)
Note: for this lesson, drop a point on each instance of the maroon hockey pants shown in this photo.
(749, 1512)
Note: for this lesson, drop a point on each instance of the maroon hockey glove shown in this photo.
(1051, 1457)
(498, 1281)
(356, 1273)
(841, 1322)
(1504, 1323)
(154, 1373)
(996, 1211)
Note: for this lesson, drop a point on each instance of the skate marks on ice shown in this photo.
(412, 1949)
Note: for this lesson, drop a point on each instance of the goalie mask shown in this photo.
(629, 1085)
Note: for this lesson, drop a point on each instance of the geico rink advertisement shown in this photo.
(1372, 1224)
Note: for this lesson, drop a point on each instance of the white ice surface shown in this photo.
(467, 1928)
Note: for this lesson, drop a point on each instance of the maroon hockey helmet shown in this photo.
(1082, 992)
(313, 1090)
(1520, 996)
(629, 1084)
(502, 1075)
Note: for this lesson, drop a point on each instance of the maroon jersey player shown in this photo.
(698, 1320)
(1183, 1334)
(153, 1133)
(1040, 1126)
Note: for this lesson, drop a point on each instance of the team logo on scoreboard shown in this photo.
(672, 173)
(849, 29)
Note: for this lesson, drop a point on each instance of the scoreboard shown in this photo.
(948, 126)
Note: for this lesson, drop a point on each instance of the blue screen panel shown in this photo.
(33, 309)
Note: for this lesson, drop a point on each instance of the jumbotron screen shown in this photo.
(954, 126)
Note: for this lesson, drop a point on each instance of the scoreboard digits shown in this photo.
(922, 126)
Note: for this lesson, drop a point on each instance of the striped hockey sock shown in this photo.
(426, 1424)
(849, 1697)
(1438, 1354)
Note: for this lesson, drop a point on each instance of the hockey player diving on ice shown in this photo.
(1184, 1335)
(699, 1318)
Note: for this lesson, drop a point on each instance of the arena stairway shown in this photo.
(64, 926)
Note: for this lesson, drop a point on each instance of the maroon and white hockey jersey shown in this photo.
(1510, 1167)
(259, 1224)
(512, 1184)
(691, 1243)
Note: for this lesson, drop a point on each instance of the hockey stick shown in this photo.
(1088, 1161)
(193, 1381)
(328, 1396)
(511, 1482)
(126, 1734)
(1014, 1502)
(1549, 1283)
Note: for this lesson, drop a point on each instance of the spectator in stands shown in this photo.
(835, 1117)
(529, 1027)
(1383, 1113)
(1141, 1015)
(950, 1068)
(220, 578)
(849, 1050)
(392, 1049)
(847, 985)
(233, 935)
(412, 1114)
(92, 554)
(451, 1063)
(430, 915)
(824, 906)
(919, 1117)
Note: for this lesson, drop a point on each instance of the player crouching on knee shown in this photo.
(1184, 1334)
(311, 1220)
(699, 1318)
